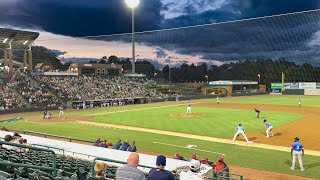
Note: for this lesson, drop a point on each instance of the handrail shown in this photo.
(52, 135)
(110, 160)
(53, 168)
(60, 149)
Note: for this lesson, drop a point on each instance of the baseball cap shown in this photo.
(177, 155)
(161, 160)
(16, 134)
(195, 165)
(296, 138)
(220, 158)
(194, 156)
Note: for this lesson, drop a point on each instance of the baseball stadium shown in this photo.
(233, 98)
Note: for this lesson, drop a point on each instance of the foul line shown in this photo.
(129, 110)
(189, 148)
(197, 137)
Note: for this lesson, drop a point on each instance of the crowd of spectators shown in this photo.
(17, 139)
(8, 97)
(125, 146)
(35, 93)
(97, 87)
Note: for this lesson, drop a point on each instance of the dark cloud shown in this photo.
(80, 17)
(161, 53)
(56, 52)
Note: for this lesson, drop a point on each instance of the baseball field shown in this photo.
(166, 128)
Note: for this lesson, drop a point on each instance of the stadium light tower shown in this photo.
(133, 4)
(259, 78)
(207, 78)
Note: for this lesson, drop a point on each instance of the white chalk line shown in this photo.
(173, 145)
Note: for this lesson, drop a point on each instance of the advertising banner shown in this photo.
(307, 85)
(276, 85)
(318, 85)
(312, 92)
(294, 85)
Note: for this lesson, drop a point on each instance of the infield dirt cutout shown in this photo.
(185, 115)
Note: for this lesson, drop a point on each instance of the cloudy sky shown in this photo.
(61, 23)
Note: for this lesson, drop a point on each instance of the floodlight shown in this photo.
(5, 40)
(25, 42)
(132, 3)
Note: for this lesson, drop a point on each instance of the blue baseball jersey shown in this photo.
(240, 128)
(297, 146)
(189, 105)
(267, 124)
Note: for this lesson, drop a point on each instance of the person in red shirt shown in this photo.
(221, 168)
(205, 161)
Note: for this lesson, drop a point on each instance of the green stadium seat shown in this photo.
(4, 175)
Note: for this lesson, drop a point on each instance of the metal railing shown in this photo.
(50, 147)
(53, 169)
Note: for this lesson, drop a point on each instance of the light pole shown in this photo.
(132, 4)
(207, 78)
(154, 75)
(259, 78)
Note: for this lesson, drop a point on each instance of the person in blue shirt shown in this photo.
(297, 150)
(269, 127)
(117, 145)
(124, 146)
(160, 173)
(240, 130)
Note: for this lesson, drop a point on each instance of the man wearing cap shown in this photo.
(179, 157)
(297, 150)
(194, 156)
(221, 168)
(269, 131)
(160, 173)
(193, 173)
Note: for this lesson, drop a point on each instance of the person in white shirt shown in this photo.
(193, 173)
(61, 113)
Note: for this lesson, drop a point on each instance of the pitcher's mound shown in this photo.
(193, 115)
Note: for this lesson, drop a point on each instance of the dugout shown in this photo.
(231, 87)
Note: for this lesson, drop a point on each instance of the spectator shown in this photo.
(221, 168)
(124, 146)
(194, 156)
(179, 157)
(193, 173)
(104, 144)
(4, 129)
(160, 173)
(97, 142)
(100, 170)
(205, 161)
(117, 145)
(25, 142)
(11, 139)
(133, 147)
(130, 170)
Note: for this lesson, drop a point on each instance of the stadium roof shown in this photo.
(20, 40)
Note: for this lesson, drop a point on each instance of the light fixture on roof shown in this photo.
(132, 3)
(25, 42)
(5, 40)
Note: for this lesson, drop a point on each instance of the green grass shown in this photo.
(290, 100)
(269, 160)
(216, 122)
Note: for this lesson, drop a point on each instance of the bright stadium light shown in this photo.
(25, 42)
(132, 3)
(259, 78)
(5, 40)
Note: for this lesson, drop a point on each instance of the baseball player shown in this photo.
(258, 112)
(218, 100)
(240, 130)
(269, 128)
(189, 108)
(61, 111)
(297, 151)
(299, 102)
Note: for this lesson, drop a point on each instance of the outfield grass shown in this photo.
(215, 122)
(255, 158)
(290, 100)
